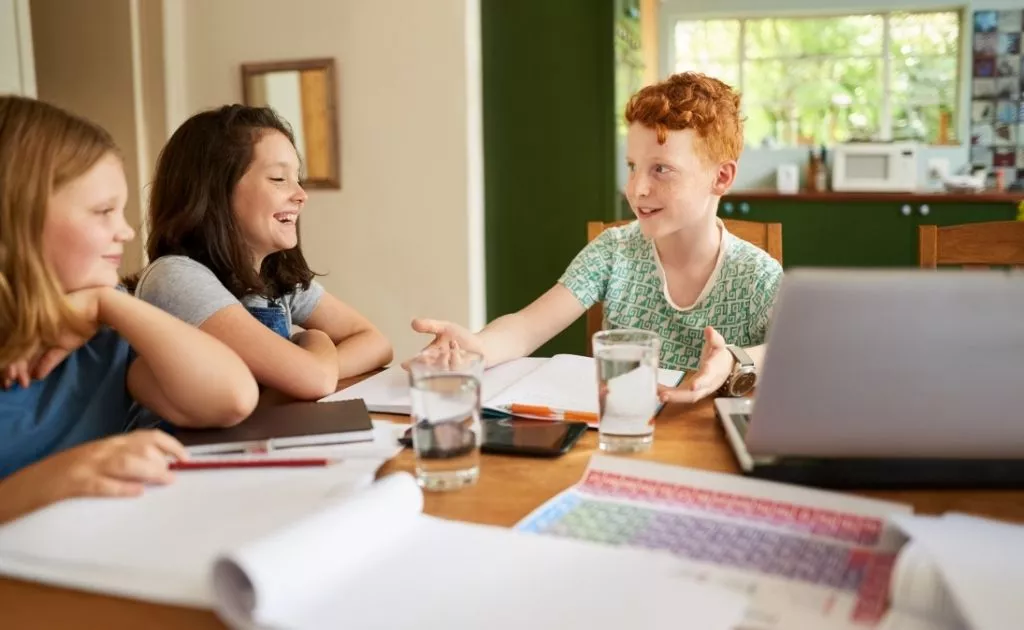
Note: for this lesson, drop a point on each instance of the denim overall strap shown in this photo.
(273, 316)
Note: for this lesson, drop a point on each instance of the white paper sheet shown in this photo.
(291, 569)
(981, 562)
(388, 392)
(307, 552)
(463, 576)
(160, 546)
(457, 576)
(918, 588)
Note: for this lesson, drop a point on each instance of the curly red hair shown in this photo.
(691, 100)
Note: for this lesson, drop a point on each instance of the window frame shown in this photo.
(960, 118)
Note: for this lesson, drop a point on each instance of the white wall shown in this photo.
(87, 61)
(403, 237)
(757, 166)
(17, 69)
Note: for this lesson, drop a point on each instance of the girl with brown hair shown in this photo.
(224, 246)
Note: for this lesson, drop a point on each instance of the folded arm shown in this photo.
(305, 370)
(182, 374)
(359, 345)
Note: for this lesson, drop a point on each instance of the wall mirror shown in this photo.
(302, 92)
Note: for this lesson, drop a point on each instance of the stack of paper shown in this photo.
(306, 548)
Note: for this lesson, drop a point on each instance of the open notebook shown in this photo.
(563, 382)
(806, 557)
(317, 549)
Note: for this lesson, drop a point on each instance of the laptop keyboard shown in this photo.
(741, 421)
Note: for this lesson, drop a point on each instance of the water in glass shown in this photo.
(627, 379)
(446, 430)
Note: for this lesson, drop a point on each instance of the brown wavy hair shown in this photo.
(691, 100)
(190, 202)
(42, 148)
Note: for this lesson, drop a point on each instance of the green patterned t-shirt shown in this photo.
(621, 269)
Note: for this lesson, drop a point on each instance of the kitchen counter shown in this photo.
(987, 196)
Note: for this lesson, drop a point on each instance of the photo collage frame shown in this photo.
(997, 82)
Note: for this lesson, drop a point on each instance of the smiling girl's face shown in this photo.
(85, 228)
(268, 198)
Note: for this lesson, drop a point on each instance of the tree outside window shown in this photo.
(824, 80)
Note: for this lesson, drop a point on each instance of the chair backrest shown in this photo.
(971, 245)
(767, 236)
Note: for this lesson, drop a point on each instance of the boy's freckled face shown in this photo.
(670, 185)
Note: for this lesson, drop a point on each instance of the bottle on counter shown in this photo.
(817, 171)
(812, 171)
(821, 174)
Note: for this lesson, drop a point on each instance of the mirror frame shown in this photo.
(333, 181)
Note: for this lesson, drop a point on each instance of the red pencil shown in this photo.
(248, 463)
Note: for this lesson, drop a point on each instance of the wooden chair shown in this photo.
(972, 245)
(767, 236)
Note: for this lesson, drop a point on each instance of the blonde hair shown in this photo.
(42, 148)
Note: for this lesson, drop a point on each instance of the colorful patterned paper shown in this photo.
(813, 546)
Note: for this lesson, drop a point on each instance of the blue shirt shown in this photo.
(84, 398)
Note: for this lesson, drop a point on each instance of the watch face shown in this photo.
(743, 383)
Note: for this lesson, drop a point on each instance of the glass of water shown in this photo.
(446, 430)
(627, 385)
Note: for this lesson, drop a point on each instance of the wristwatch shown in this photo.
(743, 378)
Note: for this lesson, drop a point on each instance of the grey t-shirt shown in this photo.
(188, 290)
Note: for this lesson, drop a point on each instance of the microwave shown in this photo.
(875, 167)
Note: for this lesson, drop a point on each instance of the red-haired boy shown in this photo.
(676, 270)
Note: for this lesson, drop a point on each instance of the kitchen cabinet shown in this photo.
(835, 230)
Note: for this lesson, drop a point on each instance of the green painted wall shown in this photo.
(549, 144)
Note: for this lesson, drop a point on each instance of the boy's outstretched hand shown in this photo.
(716, 363)
(447, 337)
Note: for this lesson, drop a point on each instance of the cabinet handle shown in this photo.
(744, 207)
(727, 207)
(924, 210)
(906, 210)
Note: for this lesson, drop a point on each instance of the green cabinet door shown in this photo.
(952, 213)
(549, 144)
(819, 233)
(839, 234)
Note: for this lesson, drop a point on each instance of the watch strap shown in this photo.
(740, 355)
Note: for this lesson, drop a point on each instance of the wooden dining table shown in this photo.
(509, 488)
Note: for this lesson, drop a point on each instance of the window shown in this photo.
(832, 79)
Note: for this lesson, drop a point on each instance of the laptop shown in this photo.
(888, 378)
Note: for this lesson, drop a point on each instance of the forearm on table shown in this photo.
(362, 352)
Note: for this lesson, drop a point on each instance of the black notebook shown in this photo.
(285, 426)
